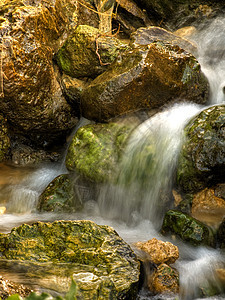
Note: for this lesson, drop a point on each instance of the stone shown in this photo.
(87, 53)
(208, 208)
(187, 229)
(99, 261)
(96, 149)
(31, 97)
(221, 235)
(4, 139)
(59, 196)
(144, 77)
(164, 279)
(158, 251)
(202, 159)
(9, 288)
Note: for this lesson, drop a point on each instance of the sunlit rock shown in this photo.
(87, 52)
(31, 97)
(187, 228)
(164, 279)
(145, 77)
(4, 139)
(60, 195)
(100, 262)
(158, 251)
(96, 149)
(207, 207)
(9, 288)
(202, 159)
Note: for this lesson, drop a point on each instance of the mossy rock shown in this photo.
(87, 53)
(187, 228)
(95, 150)
(4, 139)
(60, 195)
(144, 77)
(100, 262)
(202, 158)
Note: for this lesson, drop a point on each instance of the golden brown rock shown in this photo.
(164, 280)
(159, 251)
(207, 207)
(8, 288)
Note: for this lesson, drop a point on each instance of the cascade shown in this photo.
(136, 203)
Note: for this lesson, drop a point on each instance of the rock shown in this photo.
(60, 195)
(187, 228)
(9, 288)
(185, 32)
(96, 149)
(159, 252)
(31, 97)
(87, 53)
(202, 158)
(221, 235)
(208, 208)
(101, 263)
(164, 280)
(146, 36)
(144, 77)
(4, 139)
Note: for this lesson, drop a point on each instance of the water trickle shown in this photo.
(146, 173)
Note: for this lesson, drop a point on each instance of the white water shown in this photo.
(134, 199)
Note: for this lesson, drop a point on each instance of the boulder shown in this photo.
(4, 139)
(100, 262)
(30, 94)
(60, 195)
(164, 279)
(96, 149)
(221, 235)
(207, 207)
(142, 77)
(158, 251)
(187, 228)
(202, 158)
(87, 53)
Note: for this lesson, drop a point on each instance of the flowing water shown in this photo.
(135, 205)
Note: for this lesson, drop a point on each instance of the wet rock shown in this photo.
(159, 251)
(146, 36)
(164, 280)
(144, 77)
(8, 288)
(4, 139)
(96, 149)
(31, 97)
(103, 263)
(87, 52)
(202, 159)
(187, 228)
(208, 208)
(60, 195)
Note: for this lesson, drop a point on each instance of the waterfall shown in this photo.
(143, 186)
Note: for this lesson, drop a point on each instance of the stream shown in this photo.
(138, 217)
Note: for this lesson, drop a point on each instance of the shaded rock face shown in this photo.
(4, 139)
(112, 268)
(159, 251)
(96, 149)
(187, 11)
(144, 77)
(202, 158)
(60, 196)
(87, 52)
(187, 228)
(31, 96)
(221, 235)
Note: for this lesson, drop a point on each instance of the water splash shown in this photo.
(149, 161)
